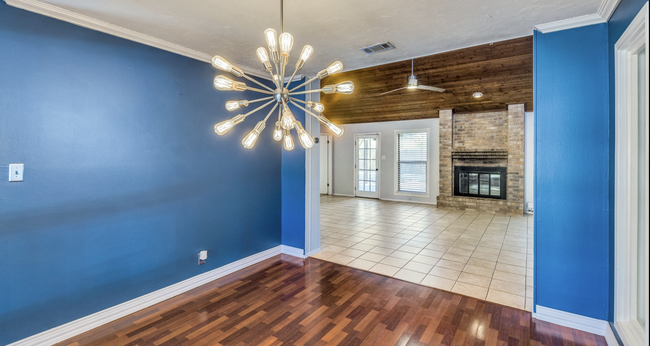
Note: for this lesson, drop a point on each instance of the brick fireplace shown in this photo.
(476, 151)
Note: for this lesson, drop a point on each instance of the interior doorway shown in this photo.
(366, 165)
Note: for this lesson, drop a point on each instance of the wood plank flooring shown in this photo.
(290, 301)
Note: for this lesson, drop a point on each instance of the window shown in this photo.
(412, 164)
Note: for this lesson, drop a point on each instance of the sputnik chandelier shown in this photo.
(279, 49)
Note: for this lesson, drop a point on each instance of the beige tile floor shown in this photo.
(482, 255)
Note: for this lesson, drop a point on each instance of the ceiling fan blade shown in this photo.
(426, 87)
(388, 92)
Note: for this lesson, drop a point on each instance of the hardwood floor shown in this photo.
(290, 301)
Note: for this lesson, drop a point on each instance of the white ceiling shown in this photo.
(335, 28)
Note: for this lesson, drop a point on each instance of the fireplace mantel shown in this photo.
(479, 154)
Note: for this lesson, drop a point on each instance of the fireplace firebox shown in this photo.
(484, 182)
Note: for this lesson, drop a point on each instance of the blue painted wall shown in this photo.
(620, 20)
(571, 171)
(293, 187)
(125, 180)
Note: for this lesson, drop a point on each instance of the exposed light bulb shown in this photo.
(336, 129)
(272, 41)
(288, 120)
(346, 87)
(317, 106)
(335, 67)
(224, 65)
(263, 55)
(251, 138)
(286, 43)
(288, 141)
(277, 133)
(224, 83)
(223, 127)
(307, 50)
(305, 139)
(232, 105)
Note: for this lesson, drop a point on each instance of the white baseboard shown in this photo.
(567, 319)
(293, 251)
(610, 338)
(342, 195)
(84, 324)
(401, 200)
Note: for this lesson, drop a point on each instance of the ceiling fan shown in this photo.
(412, 83)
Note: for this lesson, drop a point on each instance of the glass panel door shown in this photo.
(366, 166)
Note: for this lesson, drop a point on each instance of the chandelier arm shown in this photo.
(305, 92)
(271, 111)
(262, 99)
(260, 91)
(278, 70)
(305, 83)
(304, 109)
(293, 75)
(258, 108)
(284, 70)
(256, 82)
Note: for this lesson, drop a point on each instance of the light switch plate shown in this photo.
(16, 171)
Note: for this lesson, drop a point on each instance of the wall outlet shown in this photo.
(529, 207)
(203, 255)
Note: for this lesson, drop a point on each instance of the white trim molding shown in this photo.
(570, 23)
(627, 208)
(84, 324)
(567, 319)
(292, 251)
(88, 22)
(604, 13)
(405, 201)
(607, 8)
(342, 195)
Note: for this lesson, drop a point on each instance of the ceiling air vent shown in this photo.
(378, 48)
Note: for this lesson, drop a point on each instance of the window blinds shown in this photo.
(412, 165)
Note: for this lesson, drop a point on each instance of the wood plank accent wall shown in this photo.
(502, 71)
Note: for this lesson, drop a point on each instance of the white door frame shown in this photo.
(312, 180)
(626, 190)
(329, 138)
(356, 161)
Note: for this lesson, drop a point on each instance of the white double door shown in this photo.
(366, 165)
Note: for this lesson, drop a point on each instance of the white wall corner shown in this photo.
(313, 252)
(292, 251)
(567, 319)
(84, 324)
(607, 8)
(570, 23)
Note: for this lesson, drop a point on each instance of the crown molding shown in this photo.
(607, 8)
(570, 23)
(79, 19)
(605, 11)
